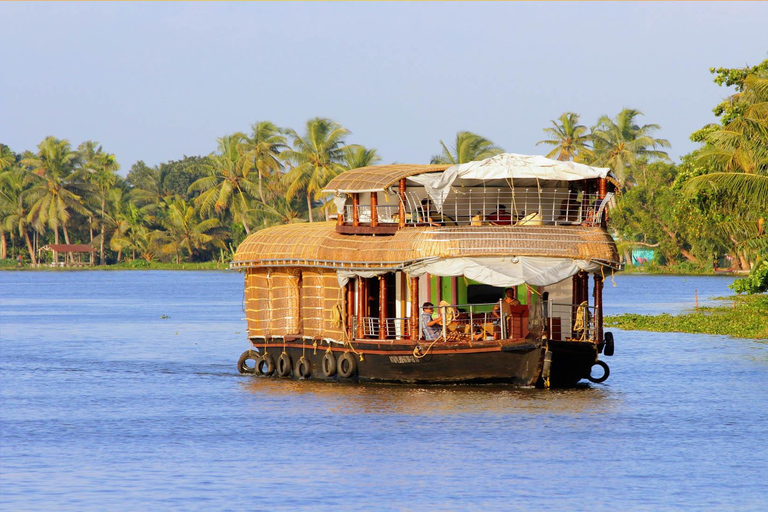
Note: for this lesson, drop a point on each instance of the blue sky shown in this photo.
(156, 81)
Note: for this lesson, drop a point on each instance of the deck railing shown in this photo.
(574, 322)
(492, 207)
(472, 322)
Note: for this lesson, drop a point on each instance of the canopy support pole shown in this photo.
(598, 308)
(415, 308)
(361, 300)
(602, 190)
(355, 209)
(350, 308)
(374, 209)
(382, 307)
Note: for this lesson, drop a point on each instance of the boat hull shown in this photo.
(571, 362)
(516, 362)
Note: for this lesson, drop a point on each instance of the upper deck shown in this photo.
(506, 190)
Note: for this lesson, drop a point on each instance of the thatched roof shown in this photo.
(319, 245)
(377, 177)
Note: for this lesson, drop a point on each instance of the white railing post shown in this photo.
(503, 321)
(445, 324)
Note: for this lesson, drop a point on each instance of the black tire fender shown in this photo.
(284, 365)
(266, 365)
(602, 378)
(347, 365)
(245, 356)
(609, 346)
(329, 364)
(303, 367)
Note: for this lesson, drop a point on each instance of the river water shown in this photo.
(118, 390)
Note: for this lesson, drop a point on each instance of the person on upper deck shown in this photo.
(500, 217)
(428, 214)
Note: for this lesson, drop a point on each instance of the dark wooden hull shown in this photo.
(571, 361)
(516, 362)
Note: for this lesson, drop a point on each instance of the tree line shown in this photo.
(707, 207)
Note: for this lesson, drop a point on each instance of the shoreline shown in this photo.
(210, 265)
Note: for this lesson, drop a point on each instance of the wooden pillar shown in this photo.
(374, 209)
(603, 187)
(439, 294)
(429, 287)
(401, 206)
(598, 308)
(382, 308)
(350, 307)
(455, 289)
(361, 301)
(415, 334)
(355, 209)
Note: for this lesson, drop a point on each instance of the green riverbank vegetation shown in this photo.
(743, 316)
(705, 212)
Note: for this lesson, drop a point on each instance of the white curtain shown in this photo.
(506, 271)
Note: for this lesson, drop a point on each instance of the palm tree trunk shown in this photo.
(69, 256)
(101, 248)
(30, 248)
(245, 225)
(261, 193)
(56, 241)
(309, 207)
(3, 247)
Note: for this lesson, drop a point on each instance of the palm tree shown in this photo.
(468, 147)
(317, 156)
(7, 158)
(99, 169)
(153, 189)
(623, 145)
(229, 187)
(357, 156)
(262, 151)
(52, 193)
(570, 138)
(13, 208)
(738, 153)
(185, 230)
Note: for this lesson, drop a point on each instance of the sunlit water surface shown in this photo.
(106, 405)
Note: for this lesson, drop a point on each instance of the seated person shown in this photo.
(500, 217)
(429, 326)
(569, 208)
(428, 214)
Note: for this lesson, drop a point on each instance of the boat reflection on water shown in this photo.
(349, 398)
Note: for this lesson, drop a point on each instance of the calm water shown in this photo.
(106, 405)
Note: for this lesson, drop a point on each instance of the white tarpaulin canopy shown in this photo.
(505, 271)
(510, 166)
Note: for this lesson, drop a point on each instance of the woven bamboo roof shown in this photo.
(319, 245)
(377, 177)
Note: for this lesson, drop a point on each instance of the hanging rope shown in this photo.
(582, 320)
(417, 350)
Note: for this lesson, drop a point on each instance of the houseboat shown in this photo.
(490, 271)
